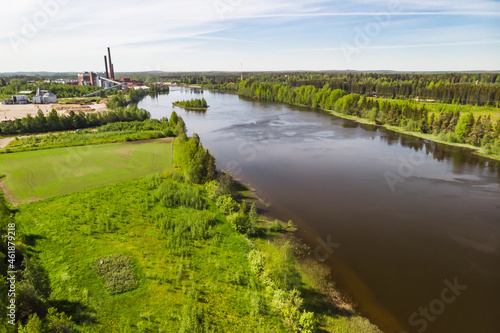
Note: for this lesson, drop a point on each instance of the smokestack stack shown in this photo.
(106, 64)
(112, 72)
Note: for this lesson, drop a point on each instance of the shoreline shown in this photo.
(189, 108)
(431, 137)
(317, 275)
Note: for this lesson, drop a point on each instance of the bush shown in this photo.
(34, 325)
(59, 322)
(172, 194)
(240, 222)
(212, 189)
(118, 273)
(257, 262)
(226, 204)
(277, 226)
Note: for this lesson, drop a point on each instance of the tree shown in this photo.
(464, 126)
(477, 133)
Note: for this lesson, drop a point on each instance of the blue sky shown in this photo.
(202, 35)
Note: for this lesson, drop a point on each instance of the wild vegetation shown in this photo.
(192, 104)
(177, 251)
(476, 126)
(55, 122)
(110, 133)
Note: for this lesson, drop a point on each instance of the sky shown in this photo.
(253, 35)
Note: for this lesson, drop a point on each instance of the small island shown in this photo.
(194, 104)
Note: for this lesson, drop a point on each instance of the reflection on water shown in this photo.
(408, 213)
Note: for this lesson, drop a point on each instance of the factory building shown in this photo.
(44, 97)
(41, 97)
(87, 79)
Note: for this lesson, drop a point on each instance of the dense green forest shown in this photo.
(452, 123)
(451, 88)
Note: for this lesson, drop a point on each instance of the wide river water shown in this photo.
(410, 228)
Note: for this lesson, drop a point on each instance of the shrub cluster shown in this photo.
(118, 273)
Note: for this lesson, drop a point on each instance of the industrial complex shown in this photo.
(105, 80)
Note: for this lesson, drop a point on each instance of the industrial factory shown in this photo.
(106, 80)
(41, 97)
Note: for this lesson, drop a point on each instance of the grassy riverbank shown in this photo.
(171, 252)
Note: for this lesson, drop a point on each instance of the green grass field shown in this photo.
(49, 173)
(209, 287)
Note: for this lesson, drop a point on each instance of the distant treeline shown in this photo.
(449, 124)
(451, 88)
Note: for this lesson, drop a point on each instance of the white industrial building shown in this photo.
(44, 97)
(41, 97)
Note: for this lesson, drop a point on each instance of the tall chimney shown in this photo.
(112, 72)
(106, 64)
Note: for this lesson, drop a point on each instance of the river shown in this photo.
(410, 228)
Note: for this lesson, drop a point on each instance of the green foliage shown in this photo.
(173, 194)
(442, 120)
(226, 183)
(192, 104)
(253, 218)
(194, 319)
(183, 226)
(213, 189)
(277, 226)
(110, 133)
(257, 262)
(196, 162)
(59, 322)
(226, 204)
(240, 222)
(34, 325)
(464, 126)
(56, 122)
(118, 273)
(457, 88)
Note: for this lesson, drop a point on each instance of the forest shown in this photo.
(451, 123)
(450, 88)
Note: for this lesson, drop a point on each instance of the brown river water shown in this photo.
(410, 228)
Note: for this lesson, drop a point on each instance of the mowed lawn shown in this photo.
(53, 172)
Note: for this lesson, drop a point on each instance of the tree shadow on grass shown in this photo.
(31, 239)
(79, 312)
